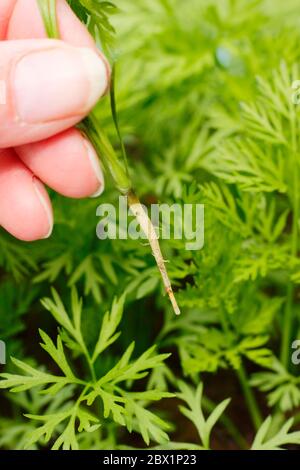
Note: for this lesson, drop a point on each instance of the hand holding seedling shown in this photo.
(50, 85)
(47, 86)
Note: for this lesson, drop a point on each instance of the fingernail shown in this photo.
(97, 74)
(43, 198)
(58, 83)
(94, 160)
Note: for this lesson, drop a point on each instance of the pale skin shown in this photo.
(46, 88)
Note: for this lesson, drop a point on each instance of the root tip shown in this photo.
(177, 311)
(173, 301)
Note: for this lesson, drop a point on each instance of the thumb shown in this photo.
(46, 86)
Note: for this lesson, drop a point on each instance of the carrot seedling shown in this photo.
(117, 167)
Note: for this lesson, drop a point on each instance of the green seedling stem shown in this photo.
(117, 167)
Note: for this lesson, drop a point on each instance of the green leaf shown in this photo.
(53, 268)
(57, 309)
(47, 429)
(137, 369)
(149, 425)
(67, 439)
(34, 378)
(281, 387)
(283, 437)
(92, 279)
(110, 323)
(57, 354)
(193, 398)
(147, 287)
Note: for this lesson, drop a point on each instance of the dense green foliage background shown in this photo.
(204, 92)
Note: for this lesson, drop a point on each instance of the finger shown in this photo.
(79, 172)
(67, 163)
(50, 86)
(26, 23)
(25, 208)
(6, 9)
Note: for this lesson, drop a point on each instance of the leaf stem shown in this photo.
(241, 373)
(250, 398)
(90, 363)
(48, 12)
(114, 113)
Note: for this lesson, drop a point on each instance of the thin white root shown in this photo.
(148, 228)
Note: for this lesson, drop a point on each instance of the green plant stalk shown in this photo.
(250, 398)
(254, 410)
(114, 165)
(48, 12)
(115, 116)
(117, 168)
(89, 362)
(288, 313)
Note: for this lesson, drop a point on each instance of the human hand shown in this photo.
(46, 87)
